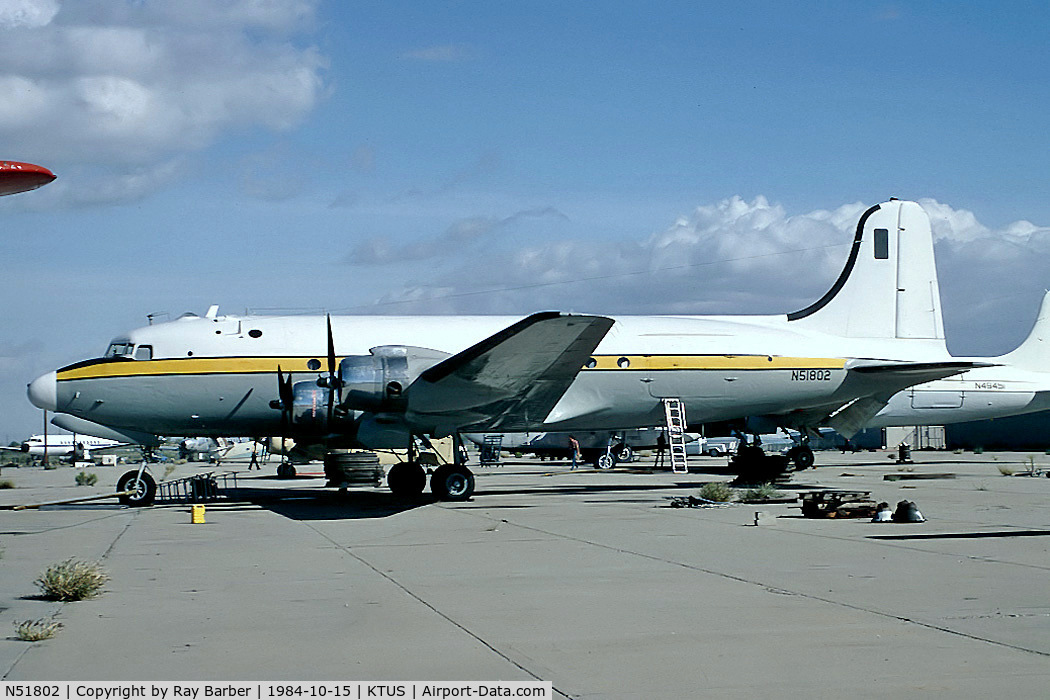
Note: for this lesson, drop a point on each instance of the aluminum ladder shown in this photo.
(674, 412)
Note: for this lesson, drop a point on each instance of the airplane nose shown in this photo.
(43, 391)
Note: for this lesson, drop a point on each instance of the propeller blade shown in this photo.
(287, 396)
(333, 383)
(331, 348)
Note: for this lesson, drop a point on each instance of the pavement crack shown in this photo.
(780, 591)
(422, 601)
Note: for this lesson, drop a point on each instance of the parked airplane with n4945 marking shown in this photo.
(1017, 383)
(376, 382)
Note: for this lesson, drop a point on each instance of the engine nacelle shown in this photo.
(377, 382)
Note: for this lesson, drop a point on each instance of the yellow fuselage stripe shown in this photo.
(256, 365)
(709, 362)
(188, 365)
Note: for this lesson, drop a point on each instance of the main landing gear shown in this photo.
(614, 453)
(754, 466)
(448, 482)
(801, 455)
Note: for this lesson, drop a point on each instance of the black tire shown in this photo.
(353, 468)
(144, 487)
(605, 460)
(623, 453)
(285, 471)
(406, 479)
(452, 482)
(713, 453)
(802, 456)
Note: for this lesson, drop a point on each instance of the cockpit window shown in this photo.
(119, 349)
(124, 348)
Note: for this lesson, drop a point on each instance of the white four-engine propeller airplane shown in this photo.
(74, 447)
(376, 382)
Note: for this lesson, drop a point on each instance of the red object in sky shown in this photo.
(21, 177)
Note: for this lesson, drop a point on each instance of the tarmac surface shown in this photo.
(583, 578)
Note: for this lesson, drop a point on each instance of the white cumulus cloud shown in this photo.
(747, 256)
(27, 13)
(136, 85)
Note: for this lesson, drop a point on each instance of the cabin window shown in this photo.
(623, 363)
(144, 352)
(882, 244)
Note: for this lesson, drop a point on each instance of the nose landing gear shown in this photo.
(138, 487)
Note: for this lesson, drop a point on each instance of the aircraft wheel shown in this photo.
(605, 461)
(406, 479)
(802, 456)
(144, 487)
(623, 453)
(452, 482)
(285, 471)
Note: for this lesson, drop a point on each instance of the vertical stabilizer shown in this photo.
(1034, 352)
(888, 288)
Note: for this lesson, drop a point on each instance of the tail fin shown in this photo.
(888, 288)
(1034, 352)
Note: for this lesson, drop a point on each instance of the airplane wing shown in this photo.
(108, 448)
(510, 380)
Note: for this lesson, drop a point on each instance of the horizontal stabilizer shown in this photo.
(914, 372)
(872, 383)
(849, 419)
(510, 380)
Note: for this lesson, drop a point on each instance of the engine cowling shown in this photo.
(377, 382)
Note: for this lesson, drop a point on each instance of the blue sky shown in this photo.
(386, 157)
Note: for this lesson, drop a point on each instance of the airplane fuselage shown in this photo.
(217, 376)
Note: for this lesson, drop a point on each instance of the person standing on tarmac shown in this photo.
(661, 447)
(574, 449)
